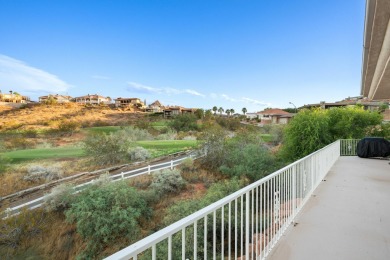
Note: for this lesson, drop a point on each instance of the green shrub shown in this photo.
(105, 149)
(105, 213)
(185, 122)
(4, 163)
(311, 130)
(167, 181)
(251, 161)
(213, 146)
(68, 127)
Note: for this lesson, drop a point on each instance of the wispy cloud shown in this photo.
(245, 100)
(16, 74)
(137, 87)
(255, 102)
(226, 97)
(100, 77)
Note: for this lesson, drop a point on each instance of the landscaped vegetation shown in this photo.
(106, 217)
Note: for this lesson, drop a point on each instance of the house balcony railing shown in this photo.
(248, 223)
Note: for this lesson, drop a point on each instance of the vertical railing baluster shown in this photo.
(195, 240)
(205, 237)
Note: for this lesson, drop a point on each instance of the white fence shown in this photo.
(348, 147)
(246, 224)
(121, 176)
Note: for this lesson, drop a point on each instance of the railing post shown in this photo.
(122, 175)
(294, 189)
(171, 165)
(247, 212)
(149, 169)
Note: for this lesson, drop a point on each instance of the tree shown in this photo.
(228, 112)
(185, 122)
(213, 146)
(244, 110)
(311, 130)
(199, 113)
(106, 148)
(208, 114)
(215, 109)
(232, 111)
(220, 110)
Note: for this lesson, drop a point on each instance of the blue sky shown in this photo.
(234, 54)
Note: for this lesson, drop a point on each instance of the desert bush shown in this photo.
(30, 133)
(106, 148)
(59, 198)
(135, 134)
(105, 213)
(38, 172)
(187, 164)
(167, 181)
(185, 122)
(213, 146)
(167, 134)
(138, 154)
(251, 161)
(26, 225)
(68, 126)
(4, 163)
(19, 142)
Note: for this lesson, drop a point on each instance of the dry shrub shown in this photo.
(26, 226)
(13, 182)
(141, 182)
(38, 172)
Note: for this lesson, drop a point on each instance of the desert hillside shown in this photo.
(43, 116)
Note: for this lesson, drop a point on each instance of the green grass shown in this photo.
(267, 137)
(19, 156)
(157, 148)
(164, 147)
(159, 124)
(102, 129)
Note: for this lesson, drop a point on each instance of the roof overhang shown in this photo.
(376, 51)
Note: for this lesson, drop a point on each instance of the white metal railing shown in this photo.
(348, 147)
(245, 224)
(121, 176)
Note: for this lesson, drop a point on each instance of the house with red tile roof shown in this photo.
(274, 116)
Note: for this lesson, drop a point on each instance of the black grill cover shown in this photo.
(373, 147)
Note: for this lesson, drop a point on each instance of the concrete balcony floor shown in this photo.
(348, 217)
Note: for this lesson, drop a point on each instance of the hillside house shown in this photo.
(92, 99)
(371, 105)
(252, 116)
(177, 110)
(274, 116)
(13, 97)
(125, 102)
(58, 98)
(155, 107)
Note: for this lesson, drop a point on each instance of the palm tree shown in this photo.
(244, 110)
(215, 109)
(232, 111)
(228, 112)
(220, 110)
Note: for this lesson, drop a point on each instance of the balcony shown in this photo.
(324, 206)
